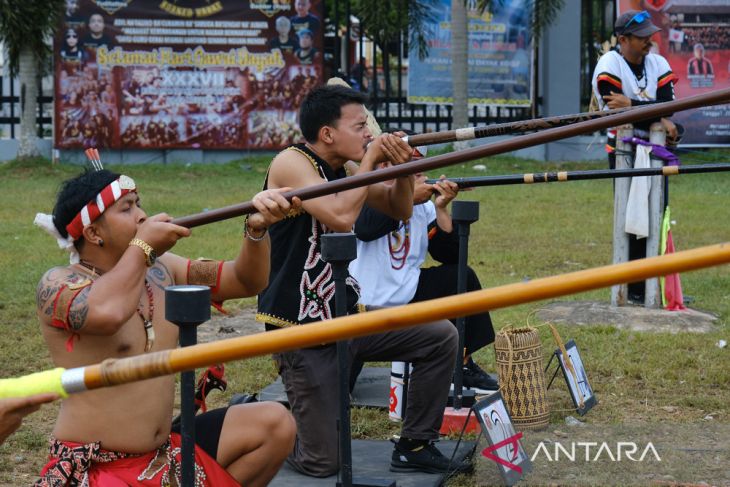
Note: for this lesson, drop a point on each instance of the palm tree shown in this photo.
(25, 27)
(544, 13)
(459, 67)
(384, 25)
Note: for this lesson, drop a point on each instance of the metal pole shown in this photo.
(339, 249)
(463, 214)
(187, 307)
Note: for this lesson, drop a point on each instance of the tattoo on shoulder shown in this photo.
(79, 309)
(47, 289)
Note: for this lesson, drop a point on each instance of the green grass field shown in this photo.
(524, 232)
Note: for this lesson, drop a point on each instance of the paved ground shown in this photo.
(636, 318)
(229, 326)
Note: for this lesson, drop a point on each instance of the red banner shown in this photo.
(214, 74)
(695, 40)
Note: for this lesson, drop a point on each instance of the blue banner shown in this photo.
(500, 57)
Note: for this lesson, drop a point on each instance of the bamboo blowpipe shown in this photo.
(550, 177)
(508, 128)
(716, 97)
(120, 371)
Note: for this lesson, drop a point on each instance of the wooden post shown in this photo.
(652, 297)
(619, 293)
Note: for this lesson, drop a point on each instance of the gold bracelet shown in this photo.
(247, 234)
(149, 253)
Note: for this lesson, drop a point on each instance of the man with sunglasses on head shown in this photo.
(634, 76)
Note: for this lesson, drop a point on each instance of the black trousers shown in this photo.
(441, 281)
(310, 380)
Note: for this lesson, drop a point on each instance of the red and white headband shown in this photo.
(94, 208)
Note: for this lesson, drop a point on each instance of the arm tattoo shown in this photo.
(46, 291)
(160, 275)
(79, 309)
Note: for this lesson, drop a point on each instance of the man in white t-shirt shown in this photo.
(390, 254)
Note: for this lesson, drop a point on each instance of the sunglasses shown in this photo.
(638, 18)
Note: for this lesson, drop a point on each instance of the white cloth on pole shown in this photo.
(637, 206)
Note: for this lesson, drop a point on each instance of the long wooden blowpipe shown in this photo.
(508, 128)
(550, 177)
(716, 97)
(121, 371)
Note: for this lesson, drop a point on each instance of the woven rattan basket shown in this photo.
(522, 377)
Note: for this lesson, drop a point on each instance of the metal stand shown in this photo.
(463, 214)
(187, 307)
(339, 249)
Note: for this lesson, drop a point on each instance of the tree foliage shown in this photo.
(28, 23)
(386, 24)
(384, 21)
(544, 12)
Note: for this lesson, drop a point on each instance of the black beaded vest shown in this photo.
(301, 288)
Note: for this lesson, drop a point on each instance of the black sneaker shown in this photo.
(425, 458)
(475, 377)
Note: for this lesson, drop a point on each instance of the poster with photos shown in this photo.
(198, 74)
(512, 459)
(580, 390)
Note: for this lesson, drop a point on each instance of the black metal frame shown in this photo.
(12, 99)
(597, 18)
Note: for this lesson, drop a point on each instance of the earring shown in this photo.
(101, 243)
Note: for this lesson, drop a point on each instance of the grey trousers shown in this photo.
(310, 379)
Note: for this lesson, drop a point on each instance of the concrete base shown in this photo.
(170, 156)
(580, 148)
(371, 460)
(9, 148)
(635, 318)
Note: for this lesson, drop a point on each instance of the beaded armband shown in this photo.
(206, 272)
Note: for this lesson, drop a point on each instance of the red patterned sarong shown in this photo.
(75, 464)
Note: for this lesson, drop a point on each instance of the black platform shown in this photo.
(371, 459)
(371, 389)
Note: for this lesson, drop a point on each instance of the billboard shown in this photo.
(695, 40)
(214, 74)
(500, 57)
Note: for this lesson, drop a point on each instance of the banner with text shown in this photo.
(215, 74)
(500, 57)
(695, 40)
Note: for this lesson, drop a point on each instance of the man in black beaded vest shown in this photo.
(301, 289)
